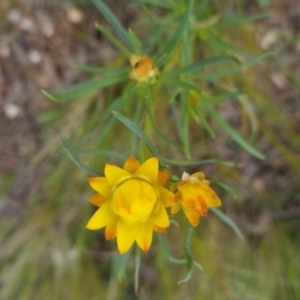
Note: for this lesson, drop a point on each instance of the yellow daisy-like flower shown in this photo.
(131, 202)
(143, 69)
(195, 196)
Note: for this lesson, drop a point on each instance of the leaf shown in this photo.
(171, 258)
(227, 71)
(197, 162)
(136, 42)
(135, 129)
(228, 221)
(178, 83)
(229, 130)
(176, 37)
(149, 100)
(223, 96)
(86, 87)
(95, 69)
(223, 185)
(117, 103)
(111, 18)
(167, 253)
(101, 152)
(113, 40)
(120, 264)
(48, 95)
(75, 160)
(201, 64)
(188, 256)
(159, 3)
(137, 268)
(237, 21)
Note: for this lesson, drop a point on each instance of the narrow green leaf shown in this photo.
(89, 69)
(120, 264)
(197, 162)
(195, 67)
(113, 40)
(101, 152)
(176, 117)
(248, 63)
(105, 131)
(176, 37)
(228, 95)
(86, 87)
(48, 95)
(167, 253)
(171, 258)
(159, 3)
(136, 42)
(178, 83)
(186, 125)
(137, 268)
(229, 130)
(237, 21)
(149, 101)
(75, 160)
(188, 256)
(135, 119)
(197, 113)
(223, 185)
(111, 18)
(228, 221)
(117, 103)
(136, 130)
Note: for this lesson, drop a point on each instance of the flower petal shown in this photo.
(158, 229)
(192, 216)
(97, 200)
(134, 58)
(162, 178)
(167, 197)
(111, 229)
(174, 187)
(101, 185)
(126, 234)
(199, 176)
(175, 208)
(144, 236)
(115, 175)
(193, 197)
(148, 170)
(212, 198)
(160, 217)
(103, 216)
(131, 165)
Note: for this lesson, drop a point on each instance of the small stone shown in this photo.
(4, 51)
(11, 110)
(27, 24)
(48, 29)
(279, 81)
(74, 15)
(14, 16)
(269, 39)
(34, 57)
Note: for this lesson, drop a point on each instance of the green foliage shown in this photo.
(177, 116)
(136, 130)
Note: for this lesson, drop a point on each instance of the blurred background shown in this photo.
(45, 251)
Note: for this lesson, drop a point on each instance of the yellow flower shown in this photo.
(131, 202)
(143, 69)
(195, 196)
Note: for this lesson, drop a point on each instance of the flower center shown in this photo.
(134, 200)
(143, 67)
